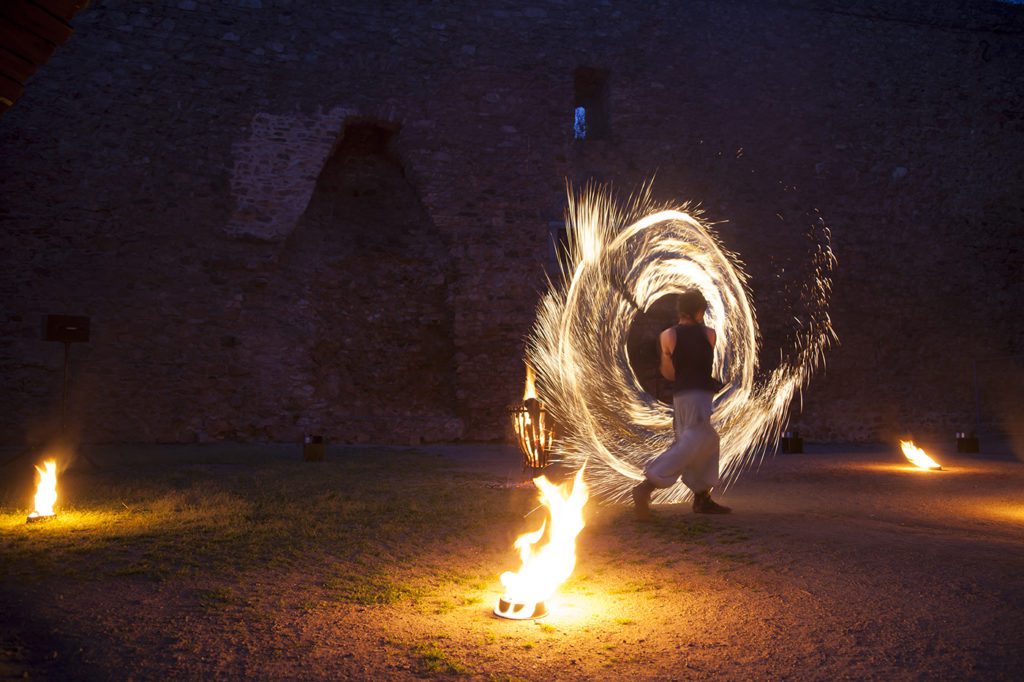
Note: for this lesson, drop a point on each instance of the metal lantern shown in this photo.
(534, 429)
(313, 448)
(967, 442)
(791, 443)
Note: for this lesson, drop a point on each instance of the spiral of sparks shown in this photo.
(621, 257)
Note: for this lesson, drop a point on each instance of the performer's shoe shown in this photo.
(703, 504)
(642, 501)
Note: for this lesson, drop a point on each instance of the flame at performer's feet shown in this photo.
(545, 565)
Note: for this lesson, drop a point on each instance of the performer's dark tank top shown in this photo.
(692, 358)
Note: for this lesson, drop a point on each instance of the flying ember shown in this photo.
(46, 492)
(545, 567)
(918, 457)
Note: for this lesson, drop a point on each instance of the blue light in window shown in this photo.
(580, 125)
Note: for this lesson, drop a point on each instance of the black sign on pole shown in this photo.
(66, 329)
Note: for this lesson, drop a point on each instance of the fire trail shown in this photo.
(621, 258)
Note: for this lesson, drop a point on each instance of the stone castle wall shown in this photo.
(287, 217)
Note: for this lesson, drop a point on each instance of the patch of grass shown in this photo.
(544, 627)
(368, 589)
(182, 512)
(344, 535)
(441, 574)
(435, 660)
(443, 606)
(634, 586)
(732, 535)
(625, 621)
(684, 527)
(745, 558)
(217, 598)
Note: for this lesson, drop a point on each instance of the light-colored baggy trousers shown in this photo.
(694, 454)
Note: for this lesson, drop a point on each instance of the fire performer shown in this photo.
(687, 352)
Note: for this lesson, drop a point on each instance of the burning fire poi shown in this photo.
(917, 456)
(621, 258)
(545, 567)
(46, 491)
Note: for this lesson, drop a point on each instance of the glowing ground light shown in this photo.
(918, 457)
(545, 566)
(622, 257)
(46, 492)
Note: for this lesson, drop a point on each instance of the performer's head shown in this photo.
(691, 304)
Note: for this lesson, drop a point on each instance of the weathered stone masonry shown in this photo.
(180, 172)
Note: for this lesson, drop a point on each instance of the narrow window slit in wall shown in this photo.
(558, 239)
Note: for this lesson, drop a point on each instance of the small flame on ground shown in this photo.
(545, 567)
(46, 490)
(917, 456)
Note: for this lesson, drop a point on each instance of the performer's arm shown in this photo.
(668, 345)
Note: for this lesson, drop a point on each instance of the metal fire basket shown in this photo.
(534, 429)
(514, 611)
(791, 443)
(313, 448)
(967, 442)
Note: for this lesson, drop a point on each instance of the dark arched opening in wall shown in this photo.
(643, 346)
(382, 355)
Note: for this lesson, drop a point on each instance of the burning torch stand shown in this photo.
(534, 435)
